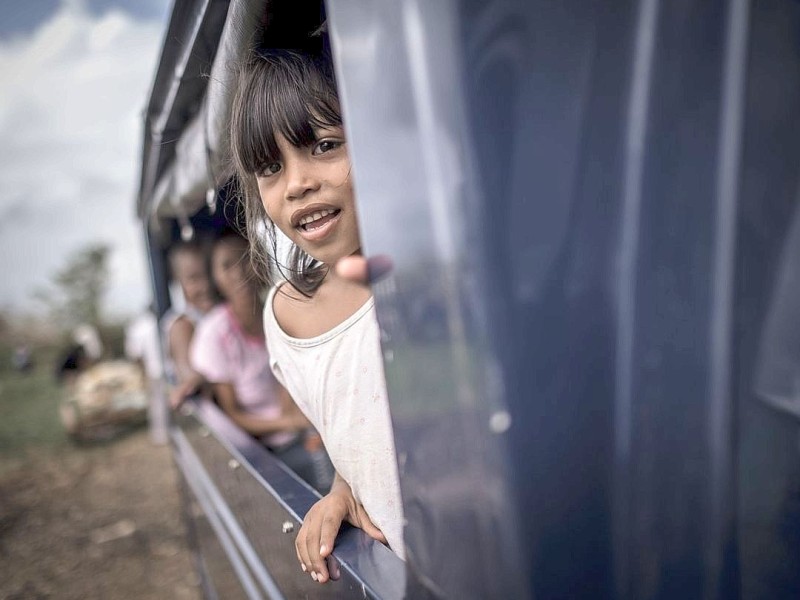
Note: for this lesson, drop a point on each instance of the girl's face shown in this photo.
(308, 194)
(190, 271)
(231, 269)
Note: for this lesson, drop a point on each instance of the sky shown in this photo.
(75, 76)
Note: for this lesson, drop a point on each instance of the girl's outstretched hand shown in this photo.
(314, 542)
(359, 269)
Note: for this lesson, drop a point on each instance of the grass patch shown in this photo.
(29, 407)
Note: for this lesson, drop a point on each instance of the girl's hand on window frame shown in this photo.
(315, 540)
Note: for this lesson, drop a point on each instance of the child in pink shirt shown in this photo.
(228, 350)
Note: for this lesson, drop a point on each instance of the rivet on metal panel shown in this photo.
(288, 527)
(499, 422)
(203, 431)
(233, 464)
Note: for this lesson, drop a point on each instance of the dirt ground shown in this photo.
(89, 522)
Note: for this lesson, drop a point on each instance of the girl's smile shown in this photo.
(316, 221)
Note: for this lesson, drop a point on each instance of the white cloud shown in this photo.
(71, 98)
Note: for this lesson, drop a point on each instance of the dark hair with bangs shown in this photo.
(291, 93)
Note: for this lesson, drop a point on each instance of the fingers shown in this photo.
(330, 527)
(366, 524)
(319, 549)
(316, 538)
(333, 567)
(353, 268)
(359, 269)
(300, 557)
(301, 545)
(316, 564)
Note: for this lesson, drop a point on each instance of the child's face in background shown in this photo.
(230, 269)
(190, 271)
(308, 194)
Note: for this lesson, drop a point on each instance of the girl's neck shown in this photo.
(248, 309)
(332, 303)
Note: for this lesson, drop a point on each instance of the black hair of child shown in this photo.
(291, 93)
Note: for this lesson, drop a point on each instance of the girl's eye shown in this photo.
(326, 146)
(269, 170)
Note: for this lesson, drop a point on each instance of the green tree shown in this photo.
(76, 291)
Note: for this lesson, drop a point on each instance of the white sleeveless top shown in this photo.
(337, 381)
(167, 321)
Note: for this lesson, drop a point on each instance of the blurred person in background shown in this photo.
(142, 346)
(189, 267)
(229, 350)
(86, 350)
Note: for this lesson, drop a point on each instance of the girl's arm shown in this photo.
(314, 542)
(180, 339)
(189, 380)
(185, 389)
(289, 408)
(252, 424)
